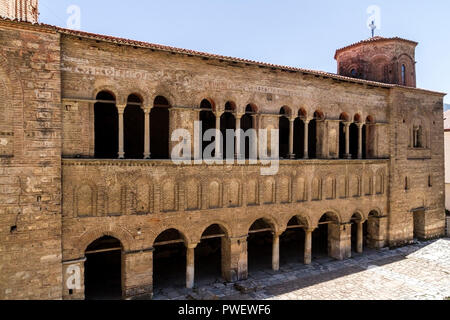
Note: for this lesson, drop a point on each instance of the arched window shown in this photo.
(228, 122)
(159, 129)
(247, 123)
(418, 137)
(134, 128)
(284, 133)
(313, 138)
(403, 75)
(208, 120)
(106, 123)
(299, 134)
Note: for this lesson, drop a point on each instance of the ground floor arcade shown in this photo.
(109, 271)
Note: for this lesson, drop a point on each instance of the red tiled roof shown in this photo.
(371, 40)
(159, 47)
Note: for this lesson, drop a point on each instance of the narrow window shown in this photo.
(406, 184)
(430, 181)
(403, 75)
(417, 136)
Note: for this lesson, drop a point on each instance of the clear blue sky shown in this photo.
(300, 33)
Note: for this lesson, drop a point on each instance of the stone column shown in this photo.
(347, 141)
(360, 142)
(276, 253)
(306, 151)
(137, 273)
(238, 153)
(359, 238)
(190, 265)
(219, 154)
(121, 111)
(147, 153)
(308, 246)
(291, 139)
(234, 259)
(73, 279)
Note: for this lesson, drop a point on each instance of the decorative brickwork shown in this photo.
(356, 152)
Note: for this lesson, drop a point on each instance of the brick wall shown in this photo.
(30, 171)
(416, 165)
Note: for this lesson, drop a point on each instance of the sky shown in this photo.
(298, 33)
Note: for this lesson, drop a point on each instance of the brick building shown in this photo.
(87, 186)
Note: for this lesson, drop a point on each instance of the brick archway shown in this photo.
(125, 238)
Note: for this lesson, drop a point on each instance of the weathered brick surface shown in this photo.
(380, 59)
(23, 10)
(30, 175)
(53, 79)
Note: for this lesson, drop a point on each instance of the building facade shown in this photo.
(87, 181)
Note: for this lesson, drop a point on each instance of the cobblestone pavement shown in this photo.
(417, 272)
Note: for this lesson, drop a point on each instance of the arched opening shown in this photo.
(418, 137)
(364, 141)
(403, 75)
(134, 126)
(322, 236)
(299, 135)
(208, 256)
(169, 262)
(292, 242)
(342, 137)
(159, 129)
(208, 120)
(358, 236)
(354, 141)
(228, 122)
(247, 124)
(312, 134)
(103, 270)
(106, 123)
(284, 133)
(260, 246)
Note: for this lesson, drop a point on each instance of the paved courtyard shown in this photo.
(419, 271)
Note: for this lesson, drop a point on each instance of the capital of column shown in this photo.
(191, 245)
(360, 125)
(147, 109)
(121, 108)
(239, 116)
(219, 113)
